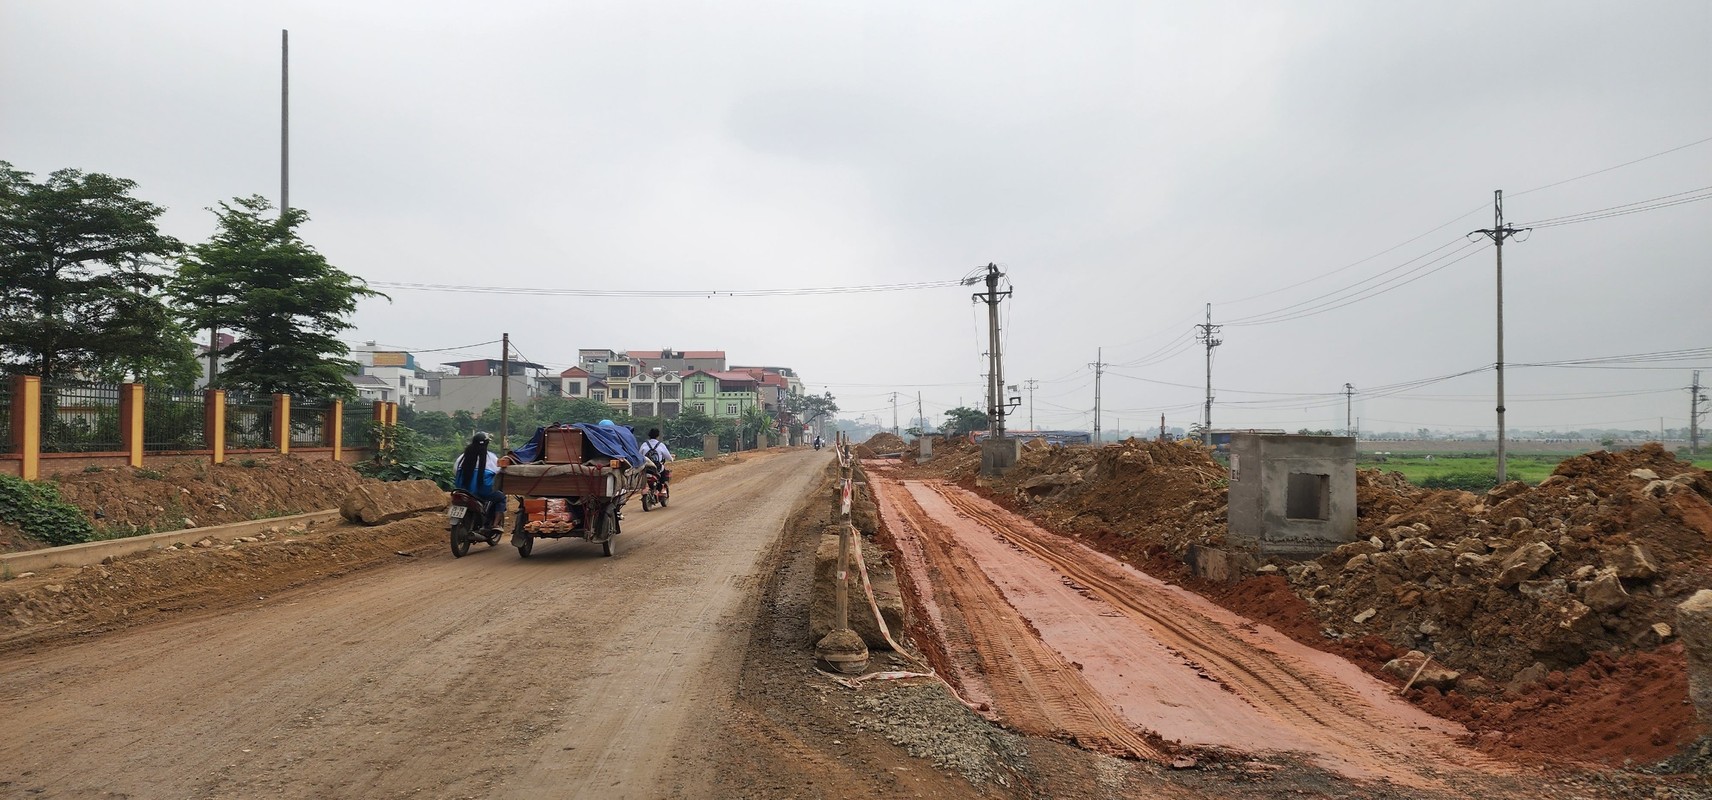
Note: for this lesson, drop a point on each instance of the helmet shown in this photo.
(606, 423)
(481, 437)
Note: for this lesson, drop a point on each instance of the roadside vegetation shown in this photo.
(1477, 472)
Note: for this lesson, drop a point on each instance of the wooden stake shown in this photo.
(1417, 674)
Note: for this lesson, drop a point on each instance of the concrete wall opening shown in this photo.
(1308, 496)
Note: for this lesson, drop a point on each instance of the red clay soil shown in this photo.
(1617, 697)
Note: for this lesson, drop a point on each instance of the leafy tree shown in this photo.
(688, 429)
(754, 422)
(810, 407)
(432, 424)
(257, 278)
(83, 291)
(962, 420)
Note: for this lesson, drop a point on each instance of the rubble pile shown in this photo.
(1509, 586)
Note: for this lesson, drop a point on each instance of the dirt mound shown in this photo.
(126, 501)
(1141, 497)
(69, 602)
(879, 443)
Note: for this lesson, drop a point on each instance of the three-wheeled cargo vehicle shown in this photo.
(573, 481)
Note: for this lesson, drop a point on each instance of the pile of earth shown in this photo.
(1138, 498)
(881, 443)
(190, 494)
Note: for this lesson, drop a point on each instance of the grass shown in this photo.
(1418, 468)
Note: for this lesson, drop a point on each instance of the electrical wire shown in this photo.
(664, 293)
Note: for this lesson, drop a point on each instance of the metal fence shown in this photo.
(355, 427)
(308, 423)
(173, 419)
(79, 417)
(249, 421)
(5, 415)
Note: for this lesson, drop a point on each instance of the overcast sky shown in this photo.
(1125, 163)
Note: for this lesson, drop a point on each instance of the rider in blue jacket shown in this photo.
(474, 471)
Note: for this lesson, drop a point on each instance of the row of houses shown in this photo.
(644, 383)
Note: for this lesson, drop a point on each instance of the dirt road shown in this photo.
(1126, 653)
(564, 675)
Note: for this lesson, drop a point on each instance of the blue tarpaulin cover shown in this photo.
(612, 442)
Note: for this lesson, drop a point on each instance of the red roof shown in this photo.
(643, 353)
(734, 377)
(704, 354)
(574, 372)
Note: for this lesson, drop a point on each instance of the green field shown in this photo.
(1474, 471)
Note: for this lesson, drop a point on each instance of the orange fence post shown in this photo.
(214, 424)
(131, 422)
(333, 428)
(282, 422)
(27, 424)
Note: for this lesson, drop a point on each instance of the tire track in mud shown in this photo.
(1033, 689)
(1383, 738)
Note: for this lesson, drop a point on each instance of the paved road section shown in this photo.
(564, 675)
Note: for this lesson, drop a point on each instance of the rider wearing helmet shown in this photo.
(474, 471)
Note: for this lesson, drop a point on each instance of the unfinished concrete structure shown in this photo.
(999, 455)
(1291, 495)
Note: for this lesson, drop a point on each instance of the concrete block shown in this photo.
(1694, 625)
(823, 605)
(999, 455)
(1292, 495)
(375, 503)
(1220, 566)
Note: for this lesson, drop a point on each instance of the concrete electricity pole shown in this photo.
(1694, 415)
(895, 431)
(1498, 233)
(1031, 384)
(1099, 366)
(504, 387)
(995, 369)
(1205, 334)
(1348, 396)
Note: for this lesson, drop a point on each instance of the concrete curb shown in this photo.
(77, 555)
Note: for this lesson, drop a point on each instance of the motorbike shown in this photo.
(658, 490)
(817, 444)
(467, 514)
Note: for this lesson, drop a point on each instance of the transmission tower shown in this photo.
(1205, 332)
(1348, 403)
(1498, 233)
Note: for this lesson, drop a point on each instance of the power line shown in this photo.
(664, 293)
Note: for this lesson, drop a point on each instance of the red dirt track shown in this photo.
(1062, 641)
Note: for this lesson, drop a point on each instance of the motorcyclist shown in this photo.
(474, 471)
(658, 454)
(817, 442)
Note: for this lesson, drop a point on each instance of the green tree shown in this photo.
(286, 304)
(962, 420)
(688, 429)
(433, 424)
(810, 407)
(83, 290)
(754, 422)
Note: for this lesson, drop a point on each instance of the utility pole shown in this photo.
(1162, 427)
(895, 431)
(1348, 397)
(1099, 366)
(284, 121)
(995, 368)
(920, 416)
(1205, 334)
(1032, 384)
(1694, 414)
(1498, 233)
(504, 387)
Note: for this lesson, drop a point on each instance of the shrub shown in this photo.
(1466, 481)
(38, 510)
